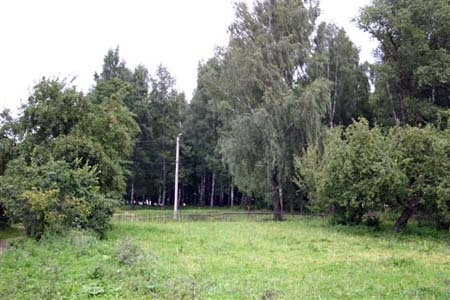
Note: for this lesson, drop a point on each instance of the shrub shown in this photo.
(54, 196)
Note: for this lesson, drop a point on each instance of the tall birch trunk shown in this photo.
(132, 196)
(203, 200)
(222, 195)
(212, 189)
(164, 185)
(231, 195)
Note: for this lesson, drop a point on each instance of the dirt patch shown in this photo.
(3, 245)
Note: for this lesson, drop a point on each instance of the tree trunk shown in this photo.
(280, 197)
(302, 205)
(407, 213)
(332, 113)
(402, 101)
(231, 195)
(212, 190)
(433, 94)
(132, 196)
(277, 196)
(164, 185)
(202, 190)
(222, 195)
(199, 195)
(291, 205)
(246, 202)
(333, 103)
(392, 101)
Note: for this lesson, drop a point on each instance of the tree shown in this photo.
(167, 112)
(363, 169)
(159, 110)
(336, 58)
(203, 129)
(352, 176)
(276, 108)
(412, 76)
(6, 154)
(6, 140)
(67, 146)
(422, 160)
(113, 67)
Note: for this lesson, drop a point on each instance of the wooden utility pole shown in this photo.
(175, 193)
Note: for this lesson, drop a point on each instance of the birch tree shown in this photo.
(276, 109)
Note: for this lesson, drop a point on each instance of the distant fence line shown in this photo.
(211, 217)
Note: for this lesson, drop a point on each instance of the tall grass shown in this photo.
(306, 259)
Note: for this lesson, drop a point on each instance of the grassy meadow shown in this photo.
(305, 258)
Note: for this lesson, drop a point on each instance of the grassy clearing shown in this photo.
(10, 232)
(305, 259)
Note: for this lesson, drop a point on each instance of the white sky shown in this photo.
(61, 38)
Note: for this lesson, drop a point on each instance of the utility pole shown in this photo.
(177, 160)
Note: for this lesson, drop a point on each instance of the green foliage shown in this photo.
(69, 157)
(7, 149)
(269, 110)
(167, 110)
(54, 196)
(202, 131)
(352, 175)
(336, 58)
(158, 111)
(422, 155)
(71, 126)
(113, 68)
(364, 169)
(412, 74)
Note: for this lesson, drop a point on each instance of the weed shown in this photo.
(129, 252)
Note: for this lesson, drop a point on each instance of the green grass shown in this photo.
(306, 259)
(10, 232)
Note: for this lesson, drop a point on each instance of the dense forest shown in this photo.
(284, 117)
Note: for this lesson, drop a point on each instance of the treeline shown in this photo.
(266, 127)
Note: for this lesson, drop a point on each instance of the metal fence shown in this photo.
(202, 216)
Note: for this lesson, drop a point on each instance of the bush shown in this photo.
(54, 196)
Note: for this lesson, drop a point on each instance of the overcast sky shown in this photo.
(58, 38)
